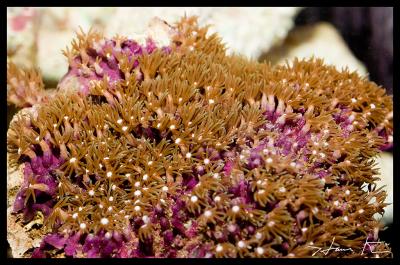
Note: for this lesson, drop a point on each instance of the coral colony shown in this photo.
(183, 151)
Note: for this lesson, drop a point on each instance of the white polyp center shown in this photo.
(282, 189)
(206, 161)
(75, 215)
(241, 244)
(261, 191)
(219, 248)
(101, 206)
(80, 209)
(150, 163)
(108, 235)
(232, 228)
(178, 140)
(109, 174)
(347, 192)
(346, 218)
(145, 177)
(82, 225)
(217, 198)
(137, 193)
(271, 223)
(104, 221)
(207, 213)
(72, 160)
(361, 211)
(165, 189)
(293, 164)
(269, 160)
(125, 128)
(109, 208)
(119, 121)
(260, 251)
(137, 208)
(91, 192)
(258, 235)
(235, 209)
(188, 155)
(172, 127)
(304, 229)
(322, 155)
(314, 152)
(373, 106)
(211, 101)
(193, 198)
(146, 219)
(336, 203)
(216, 175)
(111, 198)
(137, 184)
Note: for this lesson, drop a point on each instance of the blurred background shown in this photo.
(360, 38)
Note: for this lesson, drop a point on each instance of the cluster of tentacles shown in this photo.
(183, 151)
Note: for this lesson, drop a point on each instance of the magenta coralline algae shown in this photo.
(103, 59)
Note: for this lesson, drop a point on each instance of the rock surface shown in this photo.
(246, 30)
(21, 237)
(22, 26)
(320, 40)
(385, 165)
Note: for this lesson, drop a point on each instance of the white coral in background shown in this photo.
(250, 31)
(246, 30)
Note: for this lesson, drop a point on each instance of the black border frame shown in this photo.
(3, 184)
